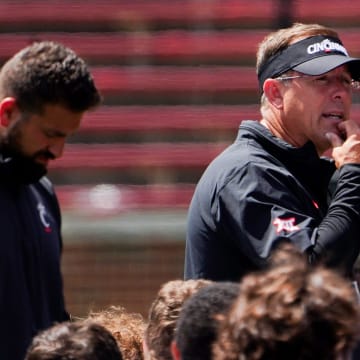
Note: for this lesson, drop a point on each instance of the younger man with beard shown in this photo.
(44, 91)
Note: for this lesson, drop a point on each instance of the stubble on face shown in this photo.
(12, 144)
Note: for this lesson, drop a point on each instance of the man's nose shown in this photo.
(57, 147)
(340, 88)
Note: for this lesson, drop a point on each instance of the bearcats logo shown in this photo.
(42, 214)
(287, 225)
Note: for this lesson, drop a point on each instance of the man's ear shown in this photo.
(273, 93)
(175, 351)
(7, 111)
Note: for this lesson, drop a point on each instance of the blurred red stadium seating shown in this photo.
(179, 46)
(122, 13)
(166, 118)
(148, 155)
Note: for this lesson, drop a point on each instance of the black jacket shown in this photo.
(31, 290)
(261, 190)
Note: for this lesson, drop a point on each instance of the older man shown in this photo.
(271, 184)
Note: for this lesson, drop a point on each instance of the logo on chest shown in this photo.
(44, 218)
(287, 225)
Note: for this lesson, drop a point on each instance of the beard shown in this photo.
(16, 166)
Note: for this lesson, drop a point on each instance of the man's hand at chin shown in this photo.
(347, 150)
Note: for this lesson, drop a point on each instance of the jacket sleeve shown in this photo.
(337, 239)
(264, 205)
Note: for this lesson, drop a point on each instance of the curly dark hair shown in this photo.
(126, 327)
(292, 311)
(164, 313)
(47, 72)
(80, 340)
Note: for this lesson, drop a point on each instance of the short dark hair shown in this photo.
(47, 72)
(197, 325)
(80, 340)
